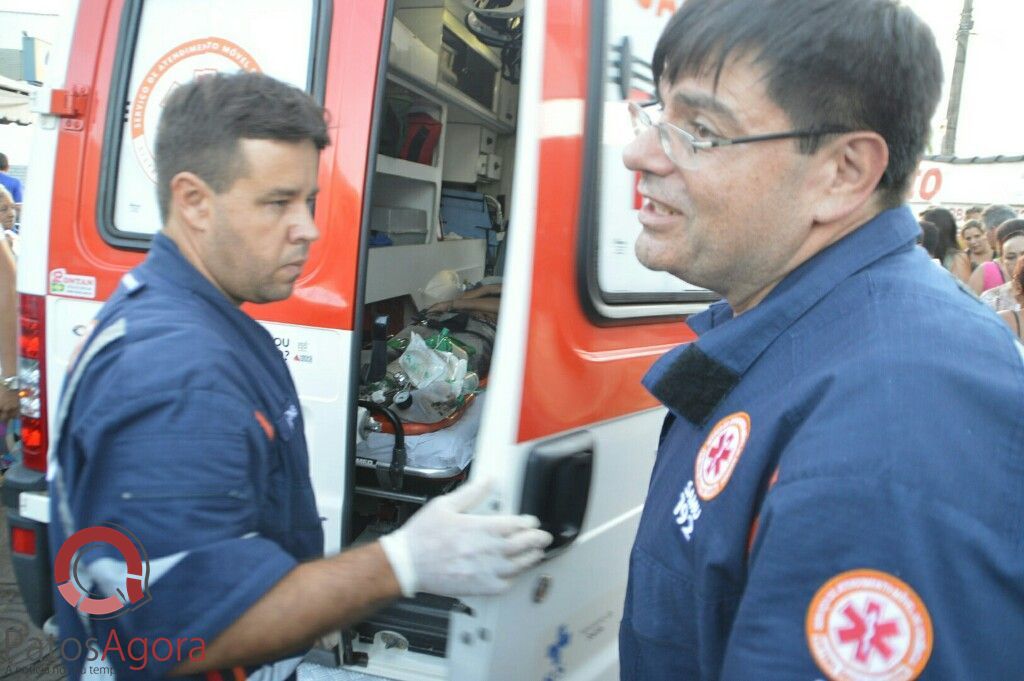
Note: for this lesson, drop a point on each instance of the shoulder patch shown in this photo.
(720, 453)
(867, 624)
(132, 284)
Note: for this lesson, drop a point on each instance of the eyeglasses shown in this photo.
(682, 147)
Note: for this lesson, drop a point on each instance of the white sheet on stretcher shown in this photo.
(450, 447)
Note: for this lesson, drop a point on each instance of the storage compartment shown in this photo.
(401, 225)
(470, 71)
(472, 77)
(472, 156)
(411, 56)
(437, 206)
(407, 187)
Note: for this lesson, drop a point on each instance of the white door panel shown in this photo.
(561, 620)
(319, 363)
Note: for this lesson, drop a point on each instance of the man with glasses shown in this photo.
(836, 494)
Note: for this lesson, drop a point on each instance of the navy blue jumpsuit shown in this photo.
(839, 488)
(183, 427)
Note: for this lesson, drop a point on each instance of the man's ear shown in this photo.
(853, 165)
(192, 200)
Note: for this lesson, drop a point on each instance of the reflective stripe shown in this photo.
(110, 334)
(109, 574)
(54, 473)
(279, 671)
(107, 336)
(130, 283)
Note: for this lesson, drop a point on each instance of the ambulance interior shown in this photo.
(439, 196)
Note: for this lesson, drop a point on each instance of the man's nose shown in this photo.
(305, 229)
(644, 154)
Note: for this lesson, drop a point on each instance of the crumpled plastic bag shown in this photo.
(439, 375)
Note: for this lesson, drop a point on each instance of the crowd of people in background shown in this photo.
(985, 253)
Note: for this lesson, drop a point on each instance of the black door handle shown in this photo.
(556, 487)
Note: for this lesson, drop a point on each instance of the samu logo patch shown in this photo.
(868, 625)
(720, 453)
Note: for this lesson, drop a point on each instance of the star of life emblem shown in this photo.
(866, 624)
(720, 453)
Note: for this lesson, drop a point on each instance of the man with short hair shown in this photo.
(836, 492)
(180, 423)
(993, 216)
(11, 183)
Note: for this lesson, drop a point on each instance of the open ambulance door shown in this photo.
(568, 432)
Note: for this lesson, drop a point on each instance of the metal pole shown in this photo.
(953, 110)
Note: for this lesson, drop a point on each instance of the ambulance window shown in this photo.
(166, 43)
(618, 286)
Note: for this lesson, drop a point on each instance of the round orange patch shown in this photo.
(719, 454)
(181, 64)
(866, 624)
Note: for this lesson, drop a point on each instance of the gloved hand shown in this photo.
(443, 550)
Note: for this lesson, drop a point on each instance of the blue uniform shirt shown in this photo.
(13, 185)
(183, 427)
(838, 489)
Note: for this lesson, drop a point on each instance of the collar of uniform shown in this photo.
(693, 379)
(166, 261)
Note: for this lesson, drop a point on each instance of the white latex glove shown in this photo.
(443, 550)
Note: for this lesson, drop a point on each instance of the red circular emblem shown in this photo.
(65, 572)
(719, 454)
(866, 624)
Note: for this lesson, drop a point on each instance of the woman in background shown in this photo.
(978, 250)
(952, 258)
(1012, 317)
(1010, 237)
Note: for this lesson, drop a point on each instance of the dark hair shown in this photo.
(1018, 274)
(203, 121)
(946, 224)
(4, 163)
(930, 238)
(974, 209)
(1008, 230)
(997, 214)
(856, 64)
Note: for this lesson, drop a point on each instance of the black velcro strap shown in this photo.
(695, 384)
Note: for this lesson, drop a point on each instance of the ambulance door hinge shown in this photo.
(69, 105)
